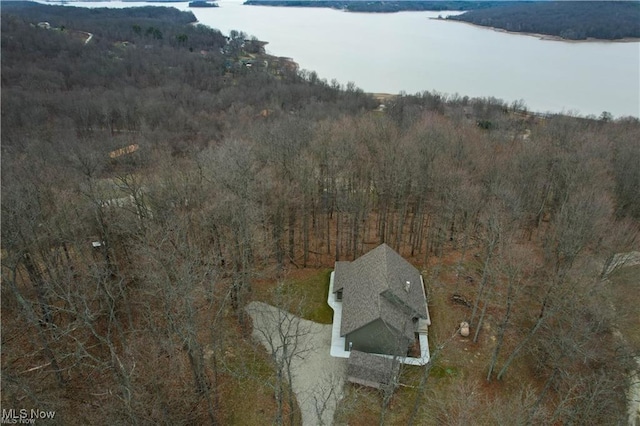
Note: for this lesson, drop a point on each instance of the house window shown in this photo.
(407, 286)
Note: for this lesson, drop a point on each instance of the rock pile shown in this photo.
(464, 329)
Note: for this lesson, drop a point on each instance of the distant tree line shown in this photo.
(573, 20)
(201, 3)
(386, 6)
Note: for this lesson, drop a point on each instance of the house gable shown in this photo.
(378, 337)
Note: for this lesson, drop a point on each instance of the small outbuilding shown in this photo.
(372, 370)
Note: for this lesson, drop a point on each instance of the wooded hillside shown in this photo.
(386, 6)
(572, 20)
(153, 184)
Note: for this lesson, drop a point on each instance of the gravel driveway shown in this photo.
(318, 378)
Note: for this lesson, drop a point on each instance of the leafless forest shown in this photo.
(153, 184)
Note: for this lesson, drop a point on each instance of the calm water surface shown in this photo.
(409, 52)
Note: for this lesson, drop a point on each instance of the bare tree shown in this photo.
(178, 266)
(327, 394)
(511, 265)
(577, 225)
(284, 336)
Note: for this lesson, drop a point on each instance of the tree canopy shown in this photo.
(573, 20)
(158, 177)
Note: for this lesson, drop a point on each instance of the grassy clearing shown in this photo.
(247, 385)
(306, 291)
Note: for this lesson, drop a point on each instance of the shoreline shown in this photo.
(545, 37)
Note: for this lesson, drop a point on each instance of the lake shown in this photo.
(408, 51)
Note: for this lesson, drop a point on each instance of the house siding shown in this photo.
(377, 337)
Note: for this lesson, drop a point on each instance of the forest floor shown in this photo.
(316, 375)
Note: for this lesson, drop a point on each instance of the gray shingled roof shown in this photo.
(374, 286)
(370, 368)
(341, 275)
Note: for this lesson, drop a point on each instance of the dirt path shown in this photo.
(317, 377)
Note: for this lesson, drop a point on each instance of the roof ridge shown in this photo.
(385, 262)
(386, 258)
